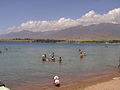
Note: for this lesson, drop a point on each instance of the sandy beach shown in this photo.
(97, 82)
(109, 85)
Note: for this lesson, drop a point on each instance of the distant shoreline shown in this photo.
(62, 41)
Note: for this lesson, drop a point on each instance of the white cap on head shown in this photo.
(56, 77)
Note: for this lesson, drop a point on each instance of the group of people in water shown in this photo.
(51, 57)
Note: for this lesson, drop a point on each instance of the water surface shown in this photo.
(22, 62)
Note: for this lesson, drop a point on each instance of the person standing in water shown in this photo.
(60, 59)
(44, 57)
(53, 54)
(119, 63)
(79, 50)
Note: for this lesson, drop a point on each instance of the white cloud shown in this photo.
(89, 18)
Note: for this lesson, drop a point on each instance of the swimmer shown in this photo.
(81, 54)
(6, 49)
(44, 57)
(53, 54)
(79, 50)
(84, 54)
(60, 59)
(53, 59)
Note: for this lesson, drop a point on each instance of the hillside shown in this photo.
(91, 32)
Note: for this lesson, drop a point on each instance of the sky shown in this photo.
(36, 15)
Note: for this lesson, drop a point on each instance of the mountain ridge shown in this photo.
(92, 32)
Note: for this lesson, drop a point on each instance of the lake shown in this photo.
(22, 62)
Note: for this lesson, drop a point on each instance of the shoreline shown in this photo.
(87, 82)
(62, 41)
(80, 84)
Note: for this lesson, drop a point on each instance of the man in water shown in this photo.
(79, 50)
(60, 59)
(53, 54)
(44, 57)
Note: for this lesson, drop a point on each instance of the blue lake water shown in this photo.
(22, 62)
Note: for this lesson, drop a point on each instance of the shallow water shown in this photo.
(22, 62)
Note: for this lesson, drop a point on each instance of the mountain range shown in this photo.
(103, 31)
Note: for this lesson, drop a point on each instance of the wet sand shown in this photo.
(95, 82)
(109, 85)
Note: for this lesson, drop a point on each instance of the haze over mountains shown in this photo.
(103, 31)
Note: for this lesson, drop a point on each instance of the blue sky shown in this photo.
(15, 12)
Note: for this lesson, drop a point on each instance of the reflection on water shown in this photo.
(22, 62)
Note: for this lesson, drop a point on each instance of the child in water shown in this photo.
(56, 81)
(60, 59)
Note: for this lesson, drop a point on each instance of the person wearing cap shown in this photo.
(56, 81)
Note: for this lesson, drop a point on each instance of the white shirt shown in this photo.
(57, 82)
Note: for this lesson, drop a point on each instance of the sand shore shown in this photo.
(97, 82)
(109, 85)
